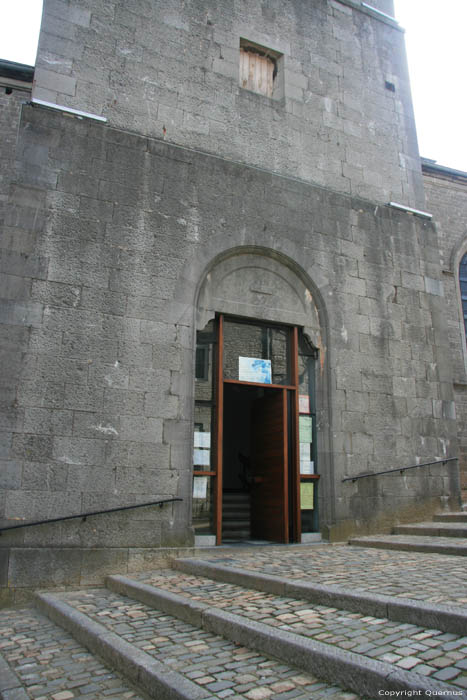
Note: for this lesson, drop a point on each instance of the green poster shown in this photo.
(304, 429)
(307, 492)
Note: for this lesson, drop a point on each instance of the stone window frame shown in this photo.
(456, 259)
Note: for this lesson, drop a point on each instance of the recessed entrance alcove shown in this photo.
(261, 470)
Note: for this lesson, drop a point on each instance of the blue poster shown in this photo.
(253, 369)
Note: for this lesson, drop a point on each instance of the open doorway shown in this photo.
(255, 464)
(254, 476)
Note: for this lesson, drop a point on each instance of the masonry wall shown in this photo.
(447, 200)
(342, 116)
(14, 288)
(110, 229)
(10, 110)
(102, 411)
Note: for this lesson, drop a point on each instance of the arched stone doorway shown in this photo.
(261, 444)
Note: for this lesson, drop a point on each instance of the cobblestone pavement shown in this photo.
(50, 665)
(426, 651)
(421, 539)
(435, 578)
(222, 667)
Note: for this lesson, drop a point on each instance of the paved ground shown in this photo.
(50, 665)
(428, 652)
(225, 669)
(435, 578)
(415, 541)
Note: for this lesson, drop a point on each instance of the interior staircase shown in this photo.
(235, 516)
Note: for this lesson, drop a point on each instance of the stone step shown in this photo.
(421, 577)
(236, 505)
(236, 535)
(433, 529)
(235, 524)
(175, 659)
(368, 654)
(40, 659)
(444, 617)
(235, 516)
(414, 543)
(235, 496)
(460, 517)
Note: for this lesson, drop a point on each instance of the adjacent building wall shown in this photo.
(15, 283)
(446, 192)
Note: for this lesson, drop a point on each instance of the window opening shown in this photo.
(463, 289)
(256, 352)
(259, 68)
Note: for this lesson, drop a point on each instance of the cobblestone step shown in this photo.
(40, 660)
(460, 517)
(433, 529)
(174, 659)
(443, 617)
(415, 543)
(417, 576)
(370, 654)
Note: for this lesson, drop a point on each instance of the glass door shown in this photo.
(259, 377)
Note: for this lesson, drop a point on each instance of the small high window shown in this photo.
(258, 68)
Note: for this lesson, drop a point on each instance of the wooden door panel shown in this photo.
(269, 512)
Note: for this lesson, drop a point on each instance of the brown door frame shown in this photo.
(293, 494)
(219, 427)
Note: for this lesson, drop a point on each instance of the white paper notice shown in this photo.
(303, 403)
(200, 487)
(253, 369)
(305, 429)
(201, 457)
(202, 439)
(307, 467)
(305, 451)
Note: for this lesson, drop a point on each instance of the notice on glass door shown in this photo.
(202, 439)
(201, 458)
(200, 487)
(307, 493)
(307, 467)
(305, 429)
(253, 369)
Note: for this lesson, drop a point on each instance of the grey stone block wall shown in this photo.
(447, 201)
(114, 236)
(171, 70)
(10, 110)
(98, 407)
(18, 313)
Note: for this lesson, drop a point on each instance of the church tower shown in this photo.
(225, 288)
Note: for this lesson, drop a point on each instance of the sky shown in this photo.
(435, 39)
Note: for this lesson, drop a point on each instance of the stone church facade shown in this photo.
(220, 275)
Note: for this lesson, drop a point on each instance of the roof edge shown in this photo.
(16, 71)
